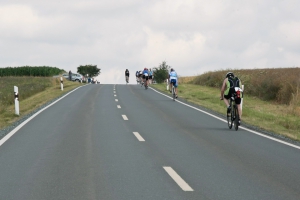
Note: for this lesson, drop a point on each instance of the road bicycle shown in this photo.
(233, 115)
(127, 79)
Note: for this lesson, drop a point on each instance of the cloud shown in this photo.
(193, 36)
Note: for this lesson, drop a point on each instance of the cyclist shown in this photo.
(146, 77)
(127, 76)
(137, 76)
(173, 80)
(141, 77)
(150, 76)
(228, 89)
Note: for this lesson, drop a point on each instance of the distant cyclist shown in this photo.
(150, 76)
(173, 80)
(146, 77)
(141, 77)
(127, 75)
(137, 76)
(231, 83)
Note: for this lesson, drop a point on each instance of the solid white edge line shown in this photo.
(124, 117)
(139, 137)
(184, 186)
(118, 106)
(11, 133)
(246, 129)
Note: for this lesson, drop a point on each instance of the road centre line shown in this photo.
(116, 99)
(246, 129)
(184, 186)
(11, 133)
(115, 95)
(118, 106)
(124, 117)
(139, 137)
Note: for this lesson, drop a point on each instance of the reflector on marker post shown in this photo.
(17, 108)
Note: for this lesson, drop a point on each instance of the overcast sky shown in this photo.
(192, 36)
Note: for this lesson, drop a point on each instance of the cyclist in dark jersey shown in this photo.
(230, 85)
(127, 75)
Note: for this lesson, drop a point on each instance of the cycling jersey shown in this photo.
(173, 75)
(145, 72)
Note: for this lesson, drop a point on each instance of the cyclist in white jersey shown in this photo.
(173, 80)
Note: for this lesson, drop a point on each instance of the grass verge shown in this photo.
(32, 100)
(265, 115)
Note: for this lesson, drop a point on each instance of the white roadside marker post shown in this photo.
(242, 97)
(17, 108)
(167, 84)
(61, 84)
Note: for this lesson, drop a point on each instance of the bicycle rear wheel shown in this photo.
(236, 118)
(173, 93)
(229, 117)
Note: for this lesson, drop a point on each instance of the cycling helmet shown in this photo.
(145, 68)
(229, 74)
(172, 69)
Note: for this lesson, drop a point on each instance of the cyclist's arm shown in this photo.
(223, 88)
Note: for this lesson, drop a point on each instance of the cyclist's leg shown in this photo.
(238, 103)
(176, 88)
(226, 101)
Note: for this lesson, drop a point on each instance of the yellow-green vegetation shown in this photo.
(278, 118)
(33, 93)
(280, 85)
(186, 79)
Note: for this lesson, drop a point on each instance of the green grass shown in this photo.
(33, 93)
(266, 115)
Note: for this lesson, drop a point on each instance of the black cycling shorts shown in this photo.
(237, 100)
(145, 77)
(150, 77)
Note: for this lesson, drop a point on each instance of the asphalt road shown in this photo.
(138, 145)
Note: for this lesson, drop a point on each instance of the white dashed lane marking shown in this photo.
(139, 137)
(124, 117)
(116, 99)
(115, 95)
(118, 106)
(184, 186)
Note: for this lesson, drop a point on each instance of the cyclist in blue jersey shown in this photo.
(173, 80)
(146, 77)
(150, 76)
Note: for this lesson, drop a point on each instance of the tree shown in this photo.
(161, 72)
(91, 70)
